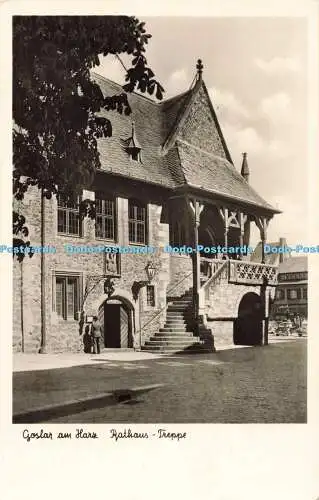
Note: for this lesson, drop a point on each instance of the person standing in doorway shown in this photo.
(96, 332)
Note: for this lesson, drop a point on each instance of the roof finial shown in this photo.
(244, 168)
(199, 67)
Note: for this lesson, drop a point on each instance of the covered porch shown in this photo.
(216, 229)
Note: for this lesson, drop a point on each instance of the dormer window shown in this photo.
(132, 146)
(136, 155)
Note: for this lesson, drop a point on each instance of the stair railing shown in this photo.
(165, 307)
(212, 280)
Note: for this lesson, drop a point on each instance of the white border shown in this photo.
(220, 462)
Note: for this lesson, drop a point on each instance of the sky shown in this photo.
(255, 70)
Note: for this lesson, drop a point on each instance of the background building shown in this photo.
(292, 290)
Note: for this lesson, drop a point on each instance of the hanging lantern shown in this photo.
(150, 271)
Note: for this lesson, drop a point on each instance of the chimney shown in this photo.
(244, 168)
(282, 255)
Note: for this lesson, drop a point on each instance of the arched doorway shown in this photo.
(116, 318)
(248, 325)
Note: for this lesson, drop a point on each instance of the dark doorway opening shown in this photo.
(248, 325)
(117, 320)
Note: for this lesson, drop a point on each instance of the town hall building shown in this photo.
(166, 179)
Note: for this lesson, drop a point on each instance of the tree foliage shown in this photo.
(56, 102)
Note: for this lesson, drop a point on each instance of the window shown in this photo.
(137, 223)
(150, 295)
(68, 217)
(67, 296)
(292, 294)
(105, 218)
(304, 293)
(136, 154)
(280, 294)
(292, 276)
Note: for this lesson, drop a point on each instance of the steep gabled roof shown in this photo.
(294, 265)
(147, 116)
(183, 113)
(180, 116)
(166, 159)
(172, 109)
(216, 175)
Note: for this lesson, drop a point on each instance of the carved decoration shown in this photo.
(112, 264)
(197, 209)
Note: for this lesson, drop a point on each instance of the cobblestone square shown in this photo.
(247, 385)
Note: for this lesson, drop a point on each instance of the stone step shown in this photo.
(173, 329)
(174, 321)
(170, 344)
(174, 333)
(193, 348)
(171, 339)
(177, 309)
(175, 315)
(180, 302)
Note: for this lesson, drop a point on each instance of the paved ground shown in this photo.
(33, 362)
(247, 385)
(23, 362)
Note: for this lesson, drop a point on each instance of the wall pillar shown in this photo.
(122, 221)
(88, 223)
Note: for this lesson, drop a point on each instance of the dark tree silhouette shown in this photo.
(56, 103)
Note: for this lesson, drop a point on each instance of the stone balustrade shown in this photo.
(252, 273)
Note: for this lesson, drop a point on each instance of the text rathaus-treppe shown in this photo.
(166, 178)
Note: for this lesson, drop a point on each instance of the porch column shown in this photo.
(226, 227)
(197, 209)
(224, 215)
(262, 224)
(265, 304)
(242, 221)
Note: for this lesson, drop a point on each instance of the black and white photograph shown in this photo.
(160, 248)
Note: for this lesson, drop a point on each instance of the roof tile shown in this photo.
(182, 164)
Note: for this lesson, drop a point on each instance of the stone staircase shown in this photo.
(176, 336)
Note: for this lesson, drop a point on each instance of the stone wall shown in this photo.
(29, 296)
(226, 298)
(64, 335)
(181, 277)
(223, 309)
(16, 309)
(223, 332)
